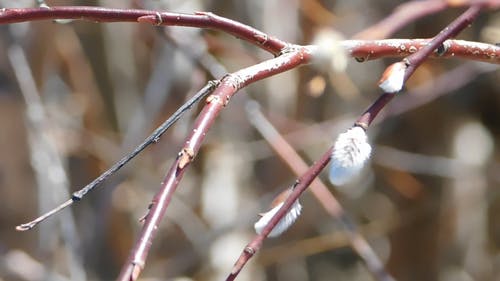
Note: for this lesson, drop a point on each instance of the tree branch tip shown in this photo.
(25, 226)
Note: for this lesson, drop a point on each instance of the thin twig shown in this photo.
(153, 138)
(318, 189)
(364, 121)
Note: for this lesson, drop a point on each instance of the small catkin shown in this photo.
(393, 78)
(350, 153)
(286, 221)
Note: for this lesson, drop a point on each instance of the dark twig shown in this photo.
(364, 120)
(319, 190)
(153, 138)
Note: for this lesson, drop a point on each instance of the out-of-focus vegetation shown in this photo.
(428, 203)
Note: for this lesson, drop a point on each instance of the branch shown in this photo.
(290, 57)
(363, 121)
(364, 50)
(359, 49)
(319, 190)
(415, 60)
(412, 62)
(98, 14)
(298, 187)
(230, 84)
(153, 138)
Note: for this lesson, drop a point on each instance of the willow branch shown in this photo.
(99, 14)
(364, 50)
(402, 15)
(410, 11)
(230, 84)
(360, 49)
(319, 190)
(364, 121)
(464, 20)
(298, 188)
(413, 61)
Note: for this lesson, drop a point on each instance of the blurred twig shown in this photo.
(410, 11)
(45, 159)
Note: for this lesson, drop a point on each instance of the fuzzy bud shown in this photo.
(330, 55)
(286, 221)
(393, 78)
(350, 152)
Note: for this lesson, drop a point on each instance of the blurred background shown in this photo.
(75, 97)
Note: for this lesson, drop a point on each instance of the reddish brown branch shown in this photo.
(290, 57)
(98, 14)
(369, 115)
(215, 103)
(319, 190)
(416, 59)
(364, 50)
(464, 20)
(300, 186)
(364, 120)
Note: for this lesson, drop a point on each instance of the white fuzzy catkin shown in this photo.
(350, 152)
(329, 55)
(286, 221)
(393, 78)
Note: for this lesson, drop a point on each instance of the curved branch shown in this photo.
(99, 14)
(229, 85)
(362, 50)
